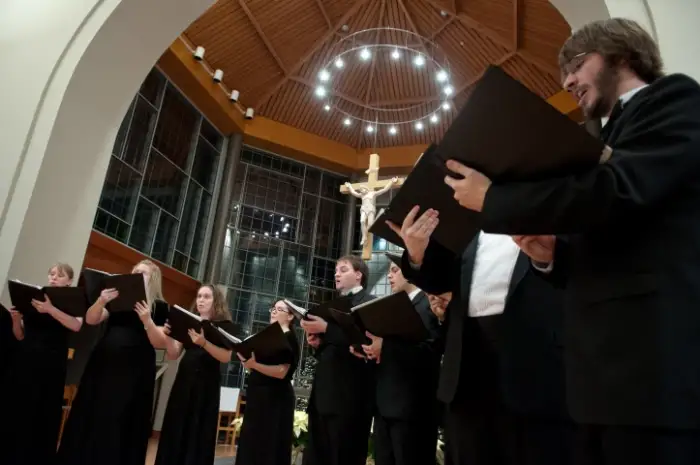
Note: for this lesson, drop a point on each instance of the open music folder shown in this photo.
(391, 316)
(269, 342)
(181, 321)
(131, 287)
(70, 300)
(504, 131)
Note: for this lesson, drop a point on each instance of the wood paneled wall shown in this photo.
(106, 254)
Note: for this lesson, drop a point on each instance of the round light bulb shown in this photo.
(392, 130)
(445, 106)
(419, 126)
(396, 54)
(320, 91)
(347, 122)
(324, 75)
(370, 129)
(441, 75)
(448, 90)
(339, 63)
(419, 60)
(327, 107)
(434, 119)
(365, 54)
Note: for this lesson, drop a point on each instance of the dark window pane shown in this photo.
(270, 191)
(330, 187)
(211, 134)
(238, 305)
(111, 226)
(238, 185)
(267, 223)
(176, 126)
(180, 261)
(193, 268)
(295, 273)
(138, 138)
(164, 184)
(120, 190)
(201, 229)
(329, 229)
(319, 295)
(189, 219)
(309, 208)
(255, 264)
(206, 159)
(152, 85)
(120, 141)
(165, 237)
(144, 229)
(312, 180)
(323, 273)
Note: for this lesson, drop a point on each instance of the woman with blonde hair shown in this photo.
(189, 429)
(110, 420)
(36, 376)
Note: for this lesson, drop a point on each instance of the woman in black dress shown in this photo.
(110, 420)
(35, 379)
(266, 433)
(189, 429)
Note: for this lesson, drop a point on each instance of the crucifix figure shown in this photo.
(368, 192)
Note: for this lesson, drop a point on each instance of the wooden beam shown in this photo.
(311, 85)
(325, 14)
(442, 27)
(262, 35)
(516, 25)
(370, 77)
(314, 48)
(475, 79)
(402, 5)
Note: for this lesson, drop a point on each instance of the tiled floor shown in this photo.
(223, 454)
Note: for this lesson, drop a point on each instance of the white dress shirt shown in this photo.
(413, 294)
(496, 255)
(352, 291)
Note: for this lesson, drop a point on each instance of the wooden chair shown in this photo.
(230, 406)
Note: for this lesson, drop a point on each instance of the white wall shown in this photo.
(70, 69)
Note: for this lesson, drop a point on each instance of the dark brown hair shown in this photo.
(63, 269)
(619, 41)
(357, 264)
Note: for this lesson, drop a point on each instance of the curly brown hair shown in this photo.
(619, 41)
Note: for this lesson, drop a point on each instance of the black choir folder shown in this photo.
(390, 316)
(70, 300)
(181, 321)
(269, 342)
(504, 131)
(323, 310)
(131, 287)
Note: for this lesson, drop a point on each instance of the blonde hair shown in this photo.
(62, 268)
(154, 290)
(219, 310)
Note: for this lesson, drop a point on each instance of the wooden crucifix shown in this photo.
(368, 192)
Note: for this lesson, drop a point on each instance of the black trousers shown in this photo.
(500, 437)
(626, 445)
(405, 441)
(337, 439)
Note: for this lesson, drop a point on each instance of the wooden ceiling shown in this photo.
(272, 51)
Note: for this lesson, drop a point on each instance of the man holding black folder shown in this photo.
(626, 251)
(406, 422)
(341, 404)
(502, 376)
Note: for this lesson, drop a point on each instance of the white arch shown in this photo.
(72, 68)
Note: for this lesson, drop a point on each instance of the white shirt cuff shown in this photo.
(543, 267)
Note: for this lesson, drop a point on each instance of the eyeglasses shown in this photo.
(275, 309)
(574, 64)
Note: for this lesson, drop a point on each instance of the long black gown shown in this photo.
(266, 434)
(110, 420)
(33, 402)
(189, 429)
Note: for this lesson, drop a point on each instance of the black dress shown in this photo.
(110, 420)
(34, 385)
(189, 429)
(266, 434)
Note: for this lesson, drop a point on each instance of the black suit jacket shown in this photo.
(407, 373)
(514, 358)
(343, 384)
(629, 260)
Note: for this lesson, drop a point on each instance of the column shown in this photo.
(77, 66)
(223, 207)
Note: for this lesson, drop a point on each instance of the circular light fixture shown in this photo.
(324, 75)
(441, 76)
(419, 126)
(393, 130)
(419, 61)
(320, 91)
